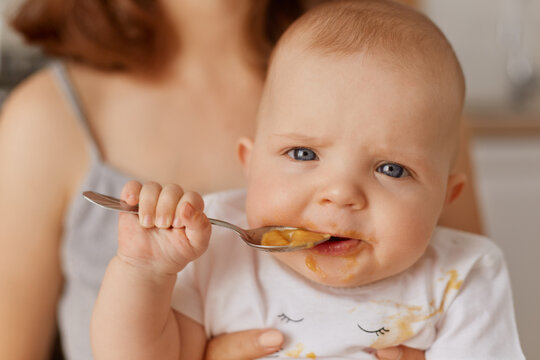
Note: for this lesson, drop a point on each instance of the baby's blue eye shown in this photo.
(393, 170)
(302, 154)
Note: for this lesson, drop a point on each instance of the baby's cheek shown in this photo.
(409, 220)
(400, 242)
(403, 253)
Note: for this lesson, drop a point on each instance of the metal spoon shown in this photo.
(252, 237)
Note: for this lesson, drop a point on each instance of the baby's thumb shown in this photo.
(197, 227)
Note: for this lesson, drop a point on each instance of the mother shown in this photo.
(190, 70)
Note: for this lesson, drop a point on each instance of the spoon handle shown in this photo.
(109, 202)
(228, 225)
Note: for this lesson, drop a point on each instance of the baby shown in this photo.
(357, 135)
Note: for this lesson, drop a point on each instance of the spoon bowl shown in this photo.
(252, 237)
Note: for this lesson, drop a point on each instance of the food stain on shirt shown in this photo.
(401, 323)
(296, 352)
(453, 284)
(400, 328)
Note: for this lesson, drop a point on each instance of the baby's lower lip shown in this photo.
(338, 247)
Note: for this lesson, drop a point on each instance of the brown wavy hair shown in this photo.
(134, 35)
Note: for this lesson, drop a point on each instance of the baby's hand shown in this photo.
(170, 231)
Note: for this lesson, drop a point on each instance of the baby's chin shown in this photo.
(347, 264)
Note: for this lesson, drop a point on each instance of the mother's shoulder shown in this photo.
(38, 124)
(36, 98)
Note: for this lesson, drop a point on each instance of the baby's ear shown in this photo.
(243, 151)
(456, 182)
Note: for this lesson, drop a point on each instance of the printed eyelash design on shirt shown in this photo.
(284, 317)
(378, 332)
(275, 354)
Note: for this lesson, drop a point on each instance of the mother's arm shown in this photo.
(42, 160)
(36, 170)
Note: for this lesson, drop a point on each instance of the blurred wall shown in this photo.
(508, 184)
(9, 41)
(496, 42)
(16, 61)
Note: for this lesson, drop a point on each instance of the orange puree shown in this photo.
(311, 264)
(291, 238)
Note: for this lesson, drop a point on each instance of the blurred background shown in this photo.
(497, 43)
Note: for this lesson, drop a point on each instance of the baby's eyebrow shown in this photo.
(302, 138)
(402, 155)
(295, 136)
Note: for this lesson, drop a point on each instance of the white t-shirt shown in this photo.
(455, 302)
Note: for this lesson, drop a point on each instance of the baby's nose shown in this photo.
(344, 194)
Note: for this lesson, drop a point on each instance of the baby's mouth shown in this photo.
(338, 246)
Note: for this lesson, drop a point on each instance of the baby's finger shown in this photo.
(192, 198)
(148, 199)
(247, 344)
(198, 227)
(130, 192)
(400, 353)
(166, 207)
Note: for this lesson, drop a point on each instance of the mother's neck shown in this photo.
(210, 31)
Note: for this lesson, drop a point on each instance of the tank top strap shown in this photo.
(69, 90)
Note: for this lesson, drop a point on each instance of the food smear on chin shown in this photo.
(292, 237)
(312, 265)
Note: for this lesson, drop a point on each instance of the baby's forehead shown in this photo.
(423, 66)
(401, 37)
(296, 68)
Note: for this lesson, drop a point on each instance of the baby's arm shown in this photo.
(133, 318)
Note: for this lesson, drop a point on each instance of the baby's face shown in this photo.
(349, 147)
